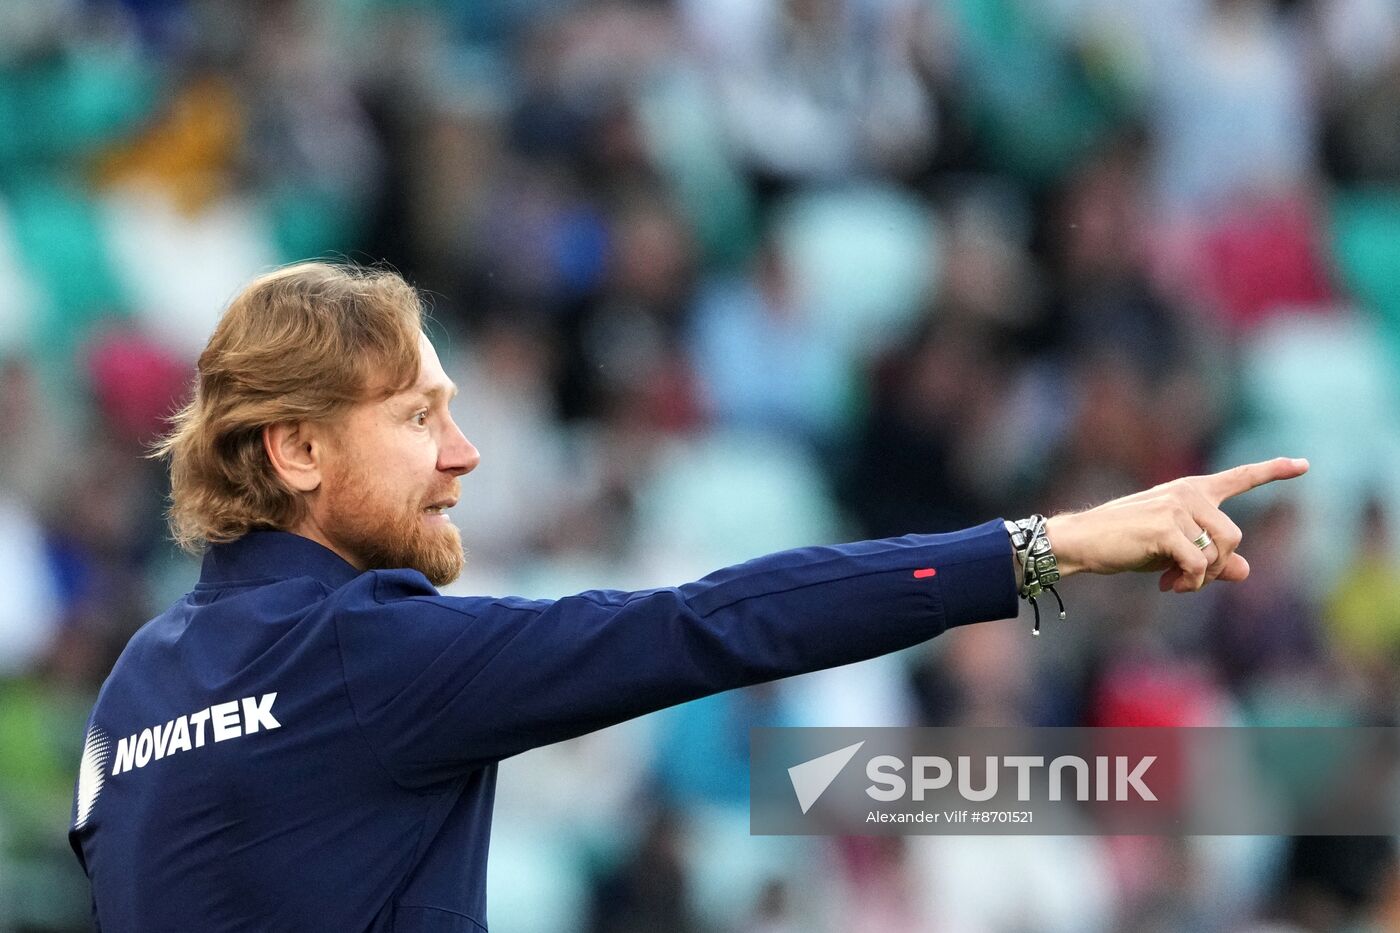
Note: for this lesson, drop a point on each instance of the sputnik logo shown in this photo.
(811, 778)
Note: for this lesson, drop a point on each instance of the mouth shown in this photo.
(439, 509)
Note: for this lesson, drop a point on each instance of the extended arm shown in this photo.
(443, 683)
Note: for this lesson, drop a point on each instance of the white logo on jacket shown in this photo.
(91, 773)
(225, 721)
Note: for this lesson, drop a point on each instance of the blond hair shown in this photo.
(303, 343)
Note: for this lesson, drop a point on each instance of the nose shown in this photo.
(458, 455)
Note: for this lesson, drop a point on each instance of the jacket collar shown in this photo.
(273, 555)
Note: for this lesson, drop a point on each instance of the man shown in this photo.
(309, 739)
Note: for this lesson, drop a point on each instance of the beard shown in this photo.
(387, 535)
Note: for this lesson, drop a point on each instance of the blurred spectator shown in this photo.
(1364, 607)
(647, 891)
(814, 90)
(1266, 628)
(1363, 612)
(1231, 111)
(30, 611)
(1340, 882)
(772, 914)
(761, 361)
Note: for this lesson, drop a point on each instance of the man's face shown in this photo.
(390, 475)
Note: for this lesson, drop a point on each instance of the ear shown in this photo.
(296, 452)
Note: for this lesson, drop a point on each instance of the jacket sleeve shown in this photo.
(443, 684)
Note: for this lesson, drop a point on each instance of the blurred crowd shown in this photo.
(719, 277)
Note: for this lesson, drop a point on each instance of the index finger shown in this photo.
(1220, 486)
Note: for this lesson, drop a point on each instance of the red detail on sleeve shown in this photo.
(925, 572)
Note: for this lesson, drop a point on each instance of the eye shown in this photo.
(420, 417)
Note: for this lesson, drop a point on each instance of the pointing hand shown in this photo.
(1160, 529)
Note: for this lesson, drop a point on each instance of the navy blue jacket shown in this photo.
(296, 745)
